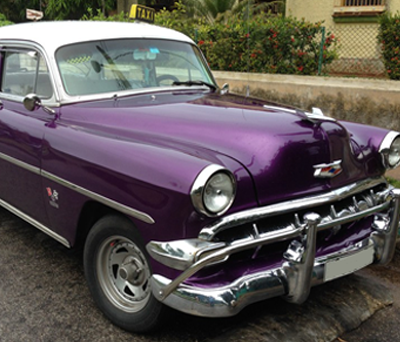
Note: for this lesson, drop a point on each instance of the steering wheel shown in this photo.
(163, 78)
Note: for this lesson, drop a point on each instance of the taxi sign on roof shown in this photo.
(142, 13)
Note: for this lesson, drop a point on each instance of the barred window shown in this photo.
(358, 8)
(363, 3)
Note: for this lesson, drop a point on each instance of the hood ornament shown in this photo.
(328, 170)
(317, 115)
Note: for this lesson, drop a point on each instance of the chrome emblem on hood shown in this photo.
(328, 170)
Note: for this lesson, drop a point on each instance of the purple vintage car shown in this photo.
(115, 137)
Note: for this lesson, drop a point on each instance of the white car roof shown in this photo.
(53, 34)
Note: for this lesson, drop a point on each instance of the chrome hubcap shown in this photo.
(123, 273)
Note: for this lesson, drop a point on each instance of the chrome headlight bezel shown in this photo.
(202, 181)
(390, 150)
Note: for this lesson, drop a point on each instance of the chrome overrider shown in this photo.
(301, 269)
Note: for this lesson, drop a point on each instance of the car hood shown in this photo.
(279, 146)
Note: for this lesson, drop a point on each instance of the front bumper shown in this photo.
(298, 273)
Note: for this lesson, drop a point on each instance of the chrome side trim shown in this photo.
(104, 200)
(35, 223)
(21, 164)
(252, 215)
(99, 198)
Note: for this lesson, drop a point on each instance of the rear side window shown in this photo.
(25, 72)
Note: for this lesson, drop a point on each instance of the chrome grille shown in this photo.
(329, 212)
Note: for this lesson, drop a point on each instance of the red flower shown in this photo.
(201, 42)
(253, 55)
(292, 39)
(247, 35)
(300, 68)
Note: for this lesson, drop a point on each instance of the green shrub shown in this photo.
(394, 182)
(99, 16)
(389, 36)
(177, 20)
(4, 21)
(264, 44)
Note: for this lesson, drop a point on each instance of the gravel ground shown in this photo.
(384, 325)
(44, 298)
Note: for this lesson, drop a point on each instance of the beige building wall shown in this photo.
(393, 6)
(311, 10)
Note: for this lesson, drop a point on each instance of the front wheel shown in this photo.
(118, 272)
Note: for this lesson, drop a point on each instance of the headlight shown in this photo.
(390, 150)
(213, 191)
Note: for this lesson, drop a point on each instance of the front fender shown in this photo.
(150, 179)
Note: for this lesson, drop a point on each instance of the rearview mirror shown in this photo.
(145, 54)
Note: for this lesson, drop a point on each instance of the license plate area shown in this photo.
(342, 266)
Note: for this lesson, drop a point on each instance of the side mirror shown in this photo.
(33, 102)
(225, 89)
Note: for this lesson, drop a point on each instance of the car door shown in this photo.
(23, 71)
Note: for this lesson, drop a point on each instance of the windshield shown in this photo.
(117, 65)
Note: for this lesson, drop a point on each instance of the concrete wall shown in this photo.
(368, 101)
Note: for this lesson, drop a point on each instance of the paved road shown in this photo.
(44, 298)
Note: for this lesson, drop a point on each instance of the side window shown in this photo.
(25, 72)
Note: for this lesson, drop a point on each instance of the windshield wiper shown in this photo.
(190, 83)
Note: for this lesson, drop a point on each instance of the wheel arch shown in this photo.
(91, 212)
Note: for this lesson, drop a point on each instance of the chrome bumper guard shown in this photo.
(300, 271)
